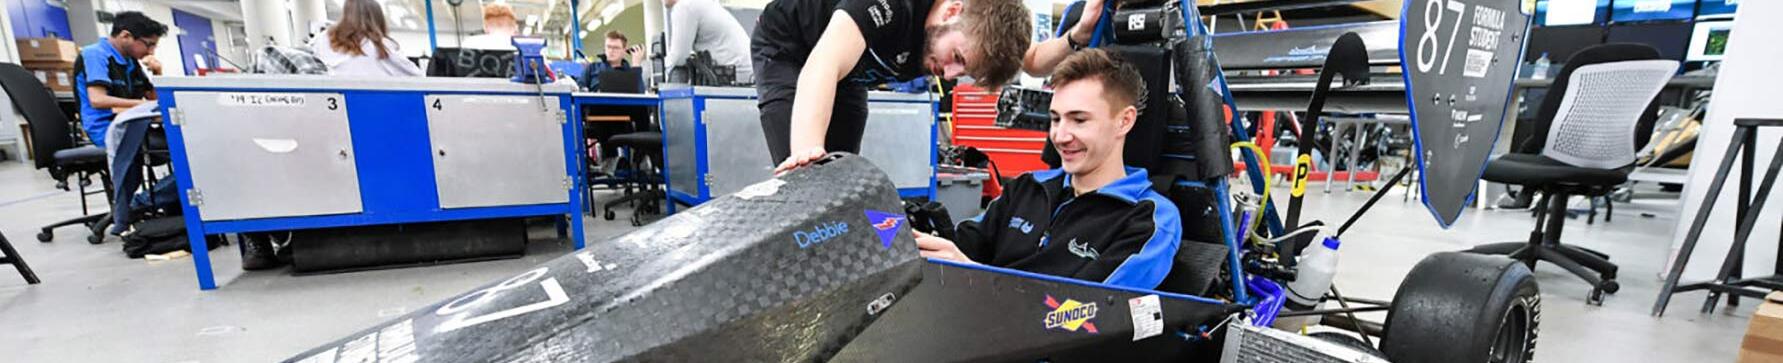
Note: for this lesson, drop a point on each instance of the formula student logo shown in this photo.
(1070, 315)
(819, 234)
(886, 224)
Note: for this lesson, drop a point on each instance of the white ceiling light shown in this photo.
(612, 9)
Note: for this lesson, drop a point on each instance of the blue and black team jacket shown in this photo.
(1122, 234)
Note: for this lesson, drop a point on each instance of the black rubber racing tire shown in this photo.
(1461, 307)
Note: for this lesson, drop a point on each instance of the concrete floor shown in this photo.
(139, 311)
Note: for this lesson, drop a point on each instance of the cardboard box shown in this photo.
(1764, 336)
(47, 64)
(47, 50)
(59, 80)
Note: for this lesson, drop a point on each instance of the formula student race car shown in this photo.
(821, 264)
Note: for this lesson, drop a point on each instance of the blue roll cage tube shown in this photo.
(1234, 243)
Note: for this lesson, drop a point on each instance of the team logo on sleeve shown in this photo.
(1070, 315)
(886, 225)
(1019, 224)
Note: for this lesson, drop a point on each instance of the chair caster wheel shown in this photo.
(610, 215)
(45, 236)
(96, 238)
(1595, 298)
(1609, 286)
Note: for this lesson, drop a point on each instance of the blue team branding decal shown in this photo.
(886, 224)
(1019, 224)
(819, 234)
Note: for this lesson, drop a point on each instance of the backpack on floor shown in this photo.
(162, 235)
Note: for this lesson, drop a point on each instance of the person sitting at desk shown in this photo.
(613, 59)
(1095, 219)
(360, 44)
(108, 76)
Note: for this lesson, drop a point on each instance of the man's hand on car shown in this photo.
(800, 159)
(940, 248)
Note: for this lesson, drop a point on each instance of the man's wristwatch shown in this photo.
(1072, 41)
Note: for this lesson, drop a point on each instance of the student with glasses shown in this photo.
(109, 76)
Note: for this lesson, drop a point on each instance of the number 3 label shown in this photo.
(553, 292)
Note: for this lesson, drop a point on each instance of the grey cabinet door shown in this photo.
(736, 150)
(260, 155)
(497, 150)
(897, 141)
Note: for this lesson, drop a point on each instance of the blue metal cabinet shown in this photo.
(269, 153)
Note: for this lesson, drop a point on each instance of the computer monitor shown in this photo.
(1716, 8)
(1671, 38)
(1709, 41)
(1560, 42)
(474, 63)
(1571, 12)
(629, 80)
(1622, 11)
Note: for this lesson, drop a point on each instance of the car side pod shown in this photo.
(789, 269)
(977, 313)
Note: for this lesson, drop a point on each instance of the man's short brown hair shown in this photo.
(1121, 84)
(494, 11)
(1002, 30)
(615, 34)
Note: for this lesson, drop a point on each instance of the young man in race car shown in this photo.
(1093, 219)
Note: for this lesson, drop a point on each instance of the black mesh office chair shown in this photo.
(1591, 120)
(643, 185)
(54, 147)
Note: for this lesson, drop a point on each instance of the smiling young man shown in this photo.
(1094, 219)
(815, 58)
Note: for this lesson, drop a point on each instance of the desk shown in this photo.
(713, 143)
(583, 100)
(258, 153)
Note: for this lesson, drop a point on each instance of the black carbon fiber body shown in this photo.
(978, 314)
(788, 270)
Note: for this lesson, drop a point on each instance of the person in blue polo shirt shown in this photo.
(1093, 219)
(108, 75)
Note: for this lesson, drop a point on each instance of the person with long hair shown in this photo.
(360, 44)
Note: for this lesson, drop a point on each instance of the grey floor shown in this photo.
(96, 305)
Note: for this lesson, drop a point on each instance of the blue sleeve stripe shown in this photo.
(1147, 268)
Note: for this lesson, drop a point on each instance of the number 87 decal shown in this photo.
(553, 292)
(1428, 44)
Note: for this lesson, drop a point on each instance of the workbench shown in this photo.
(255, 153)
(713, 143)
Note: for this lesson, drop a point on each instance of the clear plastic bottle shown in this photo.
(1317, 266)
(1540, 71)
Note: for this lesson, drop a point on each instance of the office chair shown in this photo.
(54, 147)
(1591, 115)
(642, 176)
(644, 149)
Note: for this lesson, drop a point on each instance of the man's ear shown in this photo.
(952, 10)
(1128, 117)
